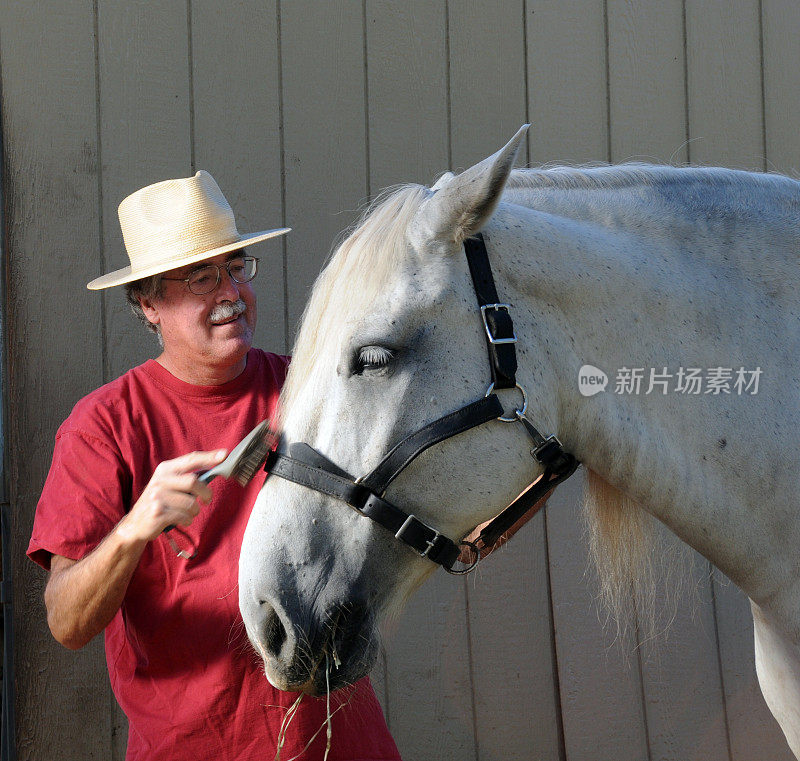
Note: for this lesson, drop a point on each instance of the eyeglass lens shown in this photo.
(206, 279)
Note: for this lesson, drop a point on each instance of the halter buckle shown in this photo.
(489, 334)
(430, 542)
(551, 440)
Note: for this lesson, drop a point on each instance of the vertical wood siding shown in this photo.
(52, 243)
(303, 111)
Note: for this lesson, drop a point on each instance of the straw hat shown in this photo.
(174, 223)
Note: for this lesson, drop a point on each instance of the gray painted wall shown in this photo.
(303, 111)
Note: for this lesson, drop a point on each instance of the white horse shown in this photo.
(688, 274)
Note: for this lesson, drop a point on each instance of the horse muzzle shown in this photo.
(312, 654)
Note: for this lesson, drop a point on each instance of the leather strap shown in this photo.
(469, 416)
(540, 488)
(407, 528)
(498, 326)
(297, 469)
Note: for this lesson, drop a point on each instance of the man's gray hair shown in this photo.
(148, 288)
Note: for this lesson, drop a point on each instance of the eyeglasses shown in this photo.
(205, 279)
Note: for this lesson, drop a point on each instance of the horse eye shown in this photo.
(372, 358)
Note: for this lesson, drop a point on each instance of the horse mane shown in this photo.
(621, 548)
(360, 266)
(584, 176)
(636, 174)
(699, 192)
(636, 563)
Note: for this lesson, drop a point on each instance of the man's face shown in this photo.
(194, 328)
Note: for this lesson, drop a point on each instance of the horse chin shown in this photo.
(325, 677)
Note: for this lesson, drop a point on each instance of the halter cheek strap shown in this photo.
(500, 344)
(497, 324)
(304, 465)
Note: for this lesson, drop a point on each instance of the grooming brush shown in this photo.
(245, 458)
(240, 465)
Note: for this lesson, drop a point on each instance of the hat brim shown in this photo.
(126, 275)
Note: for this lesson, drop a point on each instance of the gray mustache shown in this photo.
(226, 310)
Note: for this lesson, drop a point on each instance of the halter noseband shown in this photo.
(304, 465)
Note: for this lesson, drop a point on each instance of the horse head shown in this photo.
(386, 408)
(391, 340)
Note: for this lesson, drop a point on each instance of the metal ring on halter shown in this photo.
(471, 567)
(518, 413)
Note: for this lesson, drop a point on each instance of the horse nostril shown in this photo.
(274, 631)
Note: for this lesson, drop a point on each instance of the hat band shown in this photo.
(160, 255)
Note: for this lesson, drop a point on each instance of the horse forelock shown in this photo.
(358, 270)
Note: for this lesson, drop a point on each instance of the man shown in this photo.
(137, 546)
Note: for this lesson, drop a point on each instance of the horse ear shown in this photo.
(442, 181)
(462, 204)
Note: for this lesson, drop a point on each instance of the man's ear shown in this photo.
(150, 309)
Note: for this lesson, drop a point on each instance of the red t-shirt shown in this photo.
(178, 657)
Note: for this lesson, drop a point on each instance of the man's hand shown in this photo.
(83, 596)
(172, 497)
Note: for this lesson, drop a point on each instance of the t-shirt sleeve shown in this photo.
(84, 497)
(279, 366)
(284, 361)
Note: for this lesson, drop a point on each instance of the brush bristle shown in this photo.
(251, 460)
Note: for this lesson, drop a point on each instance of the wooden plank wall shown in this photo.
(303, 111)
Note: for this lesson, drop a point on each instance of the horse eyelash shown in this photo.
(376, 356)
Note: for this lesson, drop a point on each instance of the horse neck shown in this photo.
(578, 292)
(586, 293)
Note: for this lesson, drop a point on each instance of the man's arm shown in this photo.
(83, 596)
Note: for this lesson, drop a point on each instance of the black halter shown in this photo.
(302, 464)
